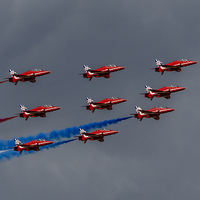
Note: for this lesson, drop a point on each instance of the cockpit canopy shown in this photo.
(183, 60)
(41, 140)
(112, 65)
(173, 86)
(36, 70)
(49, 106)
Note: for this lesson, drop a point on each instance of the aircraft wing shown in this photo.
(149, 112)
(28, 146)
(90, 135)
(93, 135)
(98, 104)
(25, 76)
(159, 91)
(146, 112)
(172, 66)
(34, 112)
(101, 104)
(99, 72)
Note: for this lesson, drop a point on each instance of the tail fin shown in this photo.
(158, 63)
(81, 131)
(23, 108)
(89, 100)
(17, 142)
(148, 88)
(12, 72)
(86, 68)
(138, 109)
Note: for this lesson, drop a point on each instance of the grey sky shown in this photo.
(145, 160)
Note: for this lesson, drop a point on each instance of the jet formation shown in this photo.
(106, 103)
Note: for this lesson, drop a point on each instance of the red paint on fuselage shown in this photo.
(181, 63)
(110, 68)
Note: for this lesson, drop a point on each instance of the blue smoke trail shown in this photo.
(59, 134)
(56, 144)
(101, 124)
(8, 154)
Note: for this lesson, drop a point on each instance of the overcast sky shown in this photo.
(146, 160)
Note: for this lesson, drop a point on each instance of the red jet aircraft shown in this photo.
(173, 66)
(103, 104)
(26, 76)
(37, 112)
(100, 72)
(162, 92)
(95, 135)
(32, 145)
(151, 113)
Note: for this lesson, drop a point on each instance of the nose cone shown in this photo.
(123, 100)
(190, 62)
(120, 67)
(181, 88)
(169, 109)
(112, 132)
(119, 100)
(46, 72)
(56, 108)
(193, 62)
